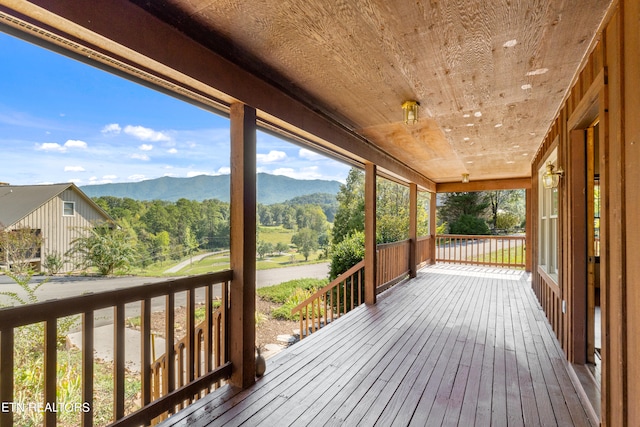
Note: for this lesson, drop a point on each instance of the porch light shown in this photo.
(410, 112)
(465, 178)
(551, 177)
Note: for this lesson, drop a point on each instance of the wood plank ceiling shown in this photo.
(489, 75)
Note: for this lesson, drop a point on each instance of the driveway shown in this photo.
(64, 287)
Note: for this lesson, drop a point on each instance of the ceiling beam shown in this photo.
(488, 185)
(121, 30)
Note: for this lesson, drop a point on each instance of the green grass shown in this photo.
(513, 256)
(275, 235)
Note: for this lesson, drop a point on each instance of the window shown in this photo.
(68, 208)
(548, 230)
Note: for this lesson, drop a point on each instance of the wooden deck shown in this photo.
(455, 346)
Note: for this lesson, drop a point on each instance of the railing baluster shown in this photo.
(145, 337)
(87, 368)
(190, 336)
(169, 379)
(6, 373)
(50, 370)
(208, 318)
(118, 361)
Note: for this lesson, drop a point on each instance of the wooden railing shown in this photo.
(206, 356)
(332, 301)
(497, 251)
(392, 264)
(216, 366)
(347, 291)
(423, 250)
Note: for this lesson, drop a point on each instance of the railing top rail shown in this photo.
(421, 238)
(482, 236)
(335, 282)
(11, 317)
(392, 244)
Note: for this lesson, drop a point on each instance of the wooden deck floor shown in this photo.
(455, 346)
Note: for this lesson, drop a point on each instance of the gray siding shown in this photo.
(58, 231)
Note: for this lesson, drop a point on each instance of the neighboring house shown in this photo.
(58, 212)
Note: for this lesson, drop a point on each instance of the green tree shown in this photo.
(350, 213)
(103, 247)
(506, 201)
(263, 248)
(281, 247)
(306, 240)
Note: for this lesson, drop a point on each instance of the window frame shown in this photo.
(64, 208)
(548, 215)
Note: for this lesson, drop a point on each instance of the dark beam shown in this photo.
(488, 185)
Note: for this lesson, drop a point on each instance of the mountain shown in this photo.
(271, 188)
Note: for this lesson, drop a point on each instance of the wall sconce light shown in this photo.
(465, 178)
(551, 177)
(410, 112)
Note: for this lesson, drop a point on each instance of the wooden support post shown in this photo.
(432, 226)
(242, 330)
(413, 229)
(370, 261)
(528, 228)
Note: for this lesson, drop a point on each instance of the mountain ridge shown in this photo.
(271, 188)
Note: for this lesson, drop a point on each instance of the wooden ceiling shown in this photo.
(489, 75)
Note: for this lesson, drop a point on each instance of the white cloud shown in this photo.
(54, 146)
(196, 173)
(74, 169)
(75, 180)
(50, 146)
(74, 143)
(111, 128)
(223, 171)
(146, 134)
(272, 157)
(140, 156)
(172, 151)
(309, 155)
(302, 173)
(137, 177)
(146, 147)
(110, 177)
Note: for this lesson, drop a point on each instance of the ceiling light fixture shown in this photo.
(551, 177)
(465, 178)
(410, 112)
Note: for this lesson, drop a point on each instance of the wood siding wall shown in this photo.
(608, 88)
(58, 230)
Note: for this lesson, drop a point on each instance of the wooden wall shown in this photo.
(609, 88)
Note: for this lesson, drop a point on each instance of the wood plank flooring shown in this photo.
(458, 345)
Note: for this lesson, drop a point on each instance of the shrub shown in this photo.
(53, 263)
(346, 254)
(469, 225)
(281, 293)
(298, 296)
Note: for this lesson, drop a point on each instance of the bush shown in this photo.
(346, 254)
(284, 312)
(282, 292)
(469, 225)
(507, 221)
(53, 263)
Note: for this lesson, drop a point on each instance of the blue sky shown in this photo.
(64, 121)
